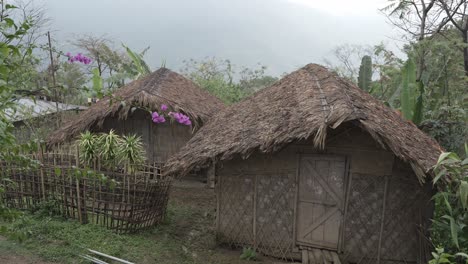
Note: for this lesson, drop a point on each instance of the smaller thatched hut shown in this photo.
(37, 117)
(315, 168)
(127, 112)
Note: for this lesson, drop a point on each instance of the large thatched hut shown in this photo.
(315, 168)
(128, 111)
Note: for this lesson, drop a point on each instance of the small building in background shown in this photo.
(129, 111)
(35, 118)
(315, 168)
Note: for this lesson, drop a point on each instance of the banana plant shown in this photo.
(138, 67)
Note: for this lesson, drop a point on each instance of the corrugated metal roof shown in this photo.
(29, 108)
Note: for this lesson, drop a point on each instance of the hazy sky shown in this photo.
(281, 34)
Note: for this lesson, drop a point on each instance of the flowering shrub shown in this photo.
(79, 57)
(159, 118)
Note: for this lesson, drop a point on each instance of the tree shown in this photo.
(456, 12)
(72, 79)
(365, 73)
(348, 57)
(106, 59)
(387, 67)
(219, 78)
(419, 19)
(11, 32)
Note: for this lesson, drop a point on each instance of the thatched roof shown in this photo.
(303, 104)
(160, 87)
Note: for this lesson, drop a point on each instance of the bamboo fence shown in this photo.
(123, 202)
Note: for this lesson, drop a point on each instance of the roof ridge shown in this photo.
(323, 98)
(159, 75)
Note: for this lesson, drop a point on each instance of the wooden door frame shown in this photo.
(346, 185)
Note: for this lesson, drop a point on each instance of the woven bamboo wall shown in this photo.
(256, 205)
(386, 211)
(160, 140)
(122, 202)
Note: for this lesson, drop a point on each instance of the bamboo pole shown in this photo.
(78, 198)
(41, 159)
(218, 201)
(254, 221)
(80, 217)
(382, 224)
(348, 180)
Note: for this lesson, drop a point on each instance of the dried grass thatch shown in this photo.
(160, 87)
(304, 104)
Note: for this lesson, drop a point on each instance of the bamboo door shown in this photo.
(320, 201)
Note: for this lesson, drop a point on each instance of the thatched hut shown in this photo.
(127, 111)
(35, 118)
(315, 168)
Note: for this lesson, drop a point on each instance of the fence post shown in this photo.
(80, 198)
(41, 170)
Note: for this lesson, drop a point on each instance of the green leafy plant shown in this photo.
(138, 67)
(98, 83)
(440, 256)
(131, 153)
(451, 218)
(88, 147)
(12, 53)
(249, 254)
(112, 150)
(108, 144)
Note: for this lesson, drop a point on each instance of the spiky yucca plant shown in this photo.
(108, 148)
(131, 153)
(88, 147)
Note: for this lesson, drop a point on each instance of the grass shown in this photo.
(59, 240)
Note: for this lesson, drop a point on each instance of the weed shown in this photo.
(248, 254)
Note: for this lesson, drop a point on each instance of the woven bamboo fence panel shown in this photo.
(122, 202)
(257, 210)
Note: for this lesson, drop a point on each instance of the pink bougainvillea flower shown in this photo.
(187, 122)
(79, 57)
(163, 107)
(182, 119)
(157, 118)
